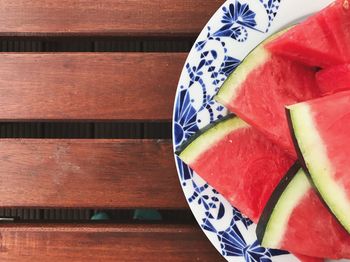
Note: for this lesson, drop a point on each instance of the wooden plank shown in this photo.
(76, 242)
(89, 173)
(89, 86)
(107, 17)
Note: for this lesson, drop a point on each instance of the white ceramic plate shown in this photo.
(234, 30)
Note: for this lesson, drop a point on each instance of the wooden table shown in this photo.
(86, 131)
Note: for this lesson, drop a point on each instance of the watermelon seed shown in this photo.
(346, 4)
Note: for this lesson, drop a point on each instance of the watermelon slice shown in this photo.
(321, 132)
(334, 79)
(322, 40)
(261, 86)
(226, 148)
(239, 163)
(296, 219)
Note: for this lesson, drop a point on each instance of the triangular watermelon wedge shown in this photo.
(238, 162)
(296, 219)
(334, 79)
(321, 129)
(322, 40)
(262, 85)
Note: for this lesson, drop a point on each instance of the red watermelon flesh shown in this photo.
(321, 128)
(334, 79)
(337, 18)
(304, 258)
(298, 221)
(321, 40)
(321, 228)
(241, 164)
(259, 89)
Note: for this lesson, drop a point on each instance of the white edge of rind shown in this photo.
(211, 137)
(314, 152)
(289, 200)
(230, 89)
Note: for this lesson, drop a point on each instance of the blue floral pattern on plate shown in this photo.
(236, 28)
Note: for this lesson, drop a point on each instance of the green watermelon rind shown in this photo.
(185, 144)
(258, 56)
(230, 87)
(295, 142)
(208, 136)
(278, 209)
(318, 168)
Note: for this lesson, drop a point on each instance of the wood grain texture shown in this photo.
(89, 174)
(88, 86)
(76, 242)
(107, 17)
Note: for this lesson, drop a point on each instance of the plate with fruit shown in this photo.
(260, 130)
